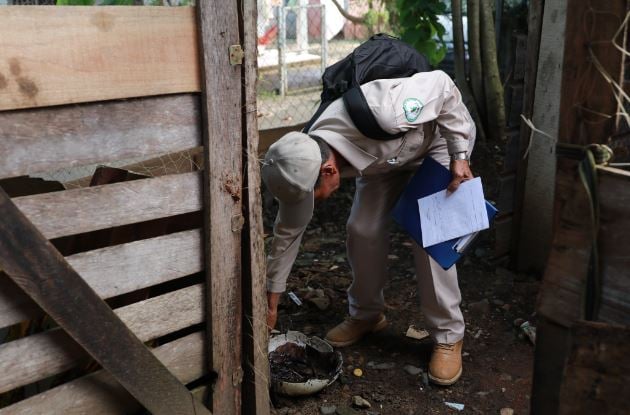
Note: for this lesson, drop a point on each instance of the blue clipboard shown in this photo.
(431, 177)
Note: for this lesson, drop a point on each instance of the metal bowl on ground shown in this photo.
(292, 356)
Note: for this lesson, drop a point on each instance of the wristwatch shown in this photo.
(462, 155)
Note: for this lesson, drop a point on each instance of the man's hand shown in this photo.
(272, 309)
(461, 172)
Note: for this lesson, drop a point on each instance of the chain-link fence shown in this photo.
(297, 40)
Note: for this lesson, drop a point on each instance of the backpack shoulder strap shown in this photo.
(318, 113)
(362, 116)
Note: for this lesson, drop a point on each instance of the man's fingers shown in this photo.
(454, 184)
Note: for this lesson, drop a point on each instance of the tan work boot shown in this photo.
(352, 330)
(445, 366)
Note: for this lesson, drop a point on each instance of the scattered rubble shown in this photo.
(321, 303)
(360, 402)
(346, 410)
(381, 366)
(412, 370)
(327, 409)
(418, 334)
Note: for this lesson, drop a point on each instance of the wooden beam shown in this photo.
(67, 55)
(40, 270)
(537, 204)
(84, 210)
(598, 370)
(100, 394)
(222, 139)
(534, 31)
(614, 199)
(39, 356)
(586, 94)
(560, 298)
(255, 337)
(116, 270)
(553, 343)
(96, 133)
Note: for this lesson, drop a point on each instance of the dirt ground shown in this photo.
(498, 361)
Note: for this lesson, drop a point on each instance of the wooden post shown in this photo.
(534, 29)
(218, 24)
(256, 366)
(42, 272)
(535, 228)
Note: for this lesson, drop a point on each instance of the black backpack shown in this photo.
(380, 57)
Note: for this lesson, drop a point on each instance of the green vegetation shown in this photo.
(419, 26)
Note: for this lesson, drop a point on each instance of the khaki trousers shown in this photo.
(368, 247)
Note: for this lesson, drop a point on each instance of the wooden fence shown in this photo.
(157, 281)
(583, 310)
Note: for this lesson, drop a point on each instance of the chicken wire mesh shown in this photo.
(297, 40)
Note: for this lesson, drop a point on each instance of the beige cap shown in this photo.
(291, 167)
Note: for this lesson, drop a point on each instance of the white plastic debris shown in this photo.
(295, 298)
(454, 405)
(417, 334)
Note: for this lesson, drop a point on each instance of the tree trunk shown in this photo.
(348, 16)
(474, 51)
(493, 89)
(460, 67)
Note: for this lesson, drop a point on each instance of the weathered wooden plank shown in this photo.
(586, 92)
(538, 192)
(505, 199)
(256, 368)
(514, 104)
(560, 298)
(503, 234)
(45, 354)
(520, 56)
(553, 343)
(84, 210)
(221, 103)
(42, 272)
(597, 371)
(116, 270)
(534, 31)
(614, 199)
(63, 55)
(96, 133)
(561, 293)
(172, 163)
(512, 153)
(100, 394)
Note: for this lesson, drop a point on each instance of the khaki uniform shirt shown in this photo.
(424, 106)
